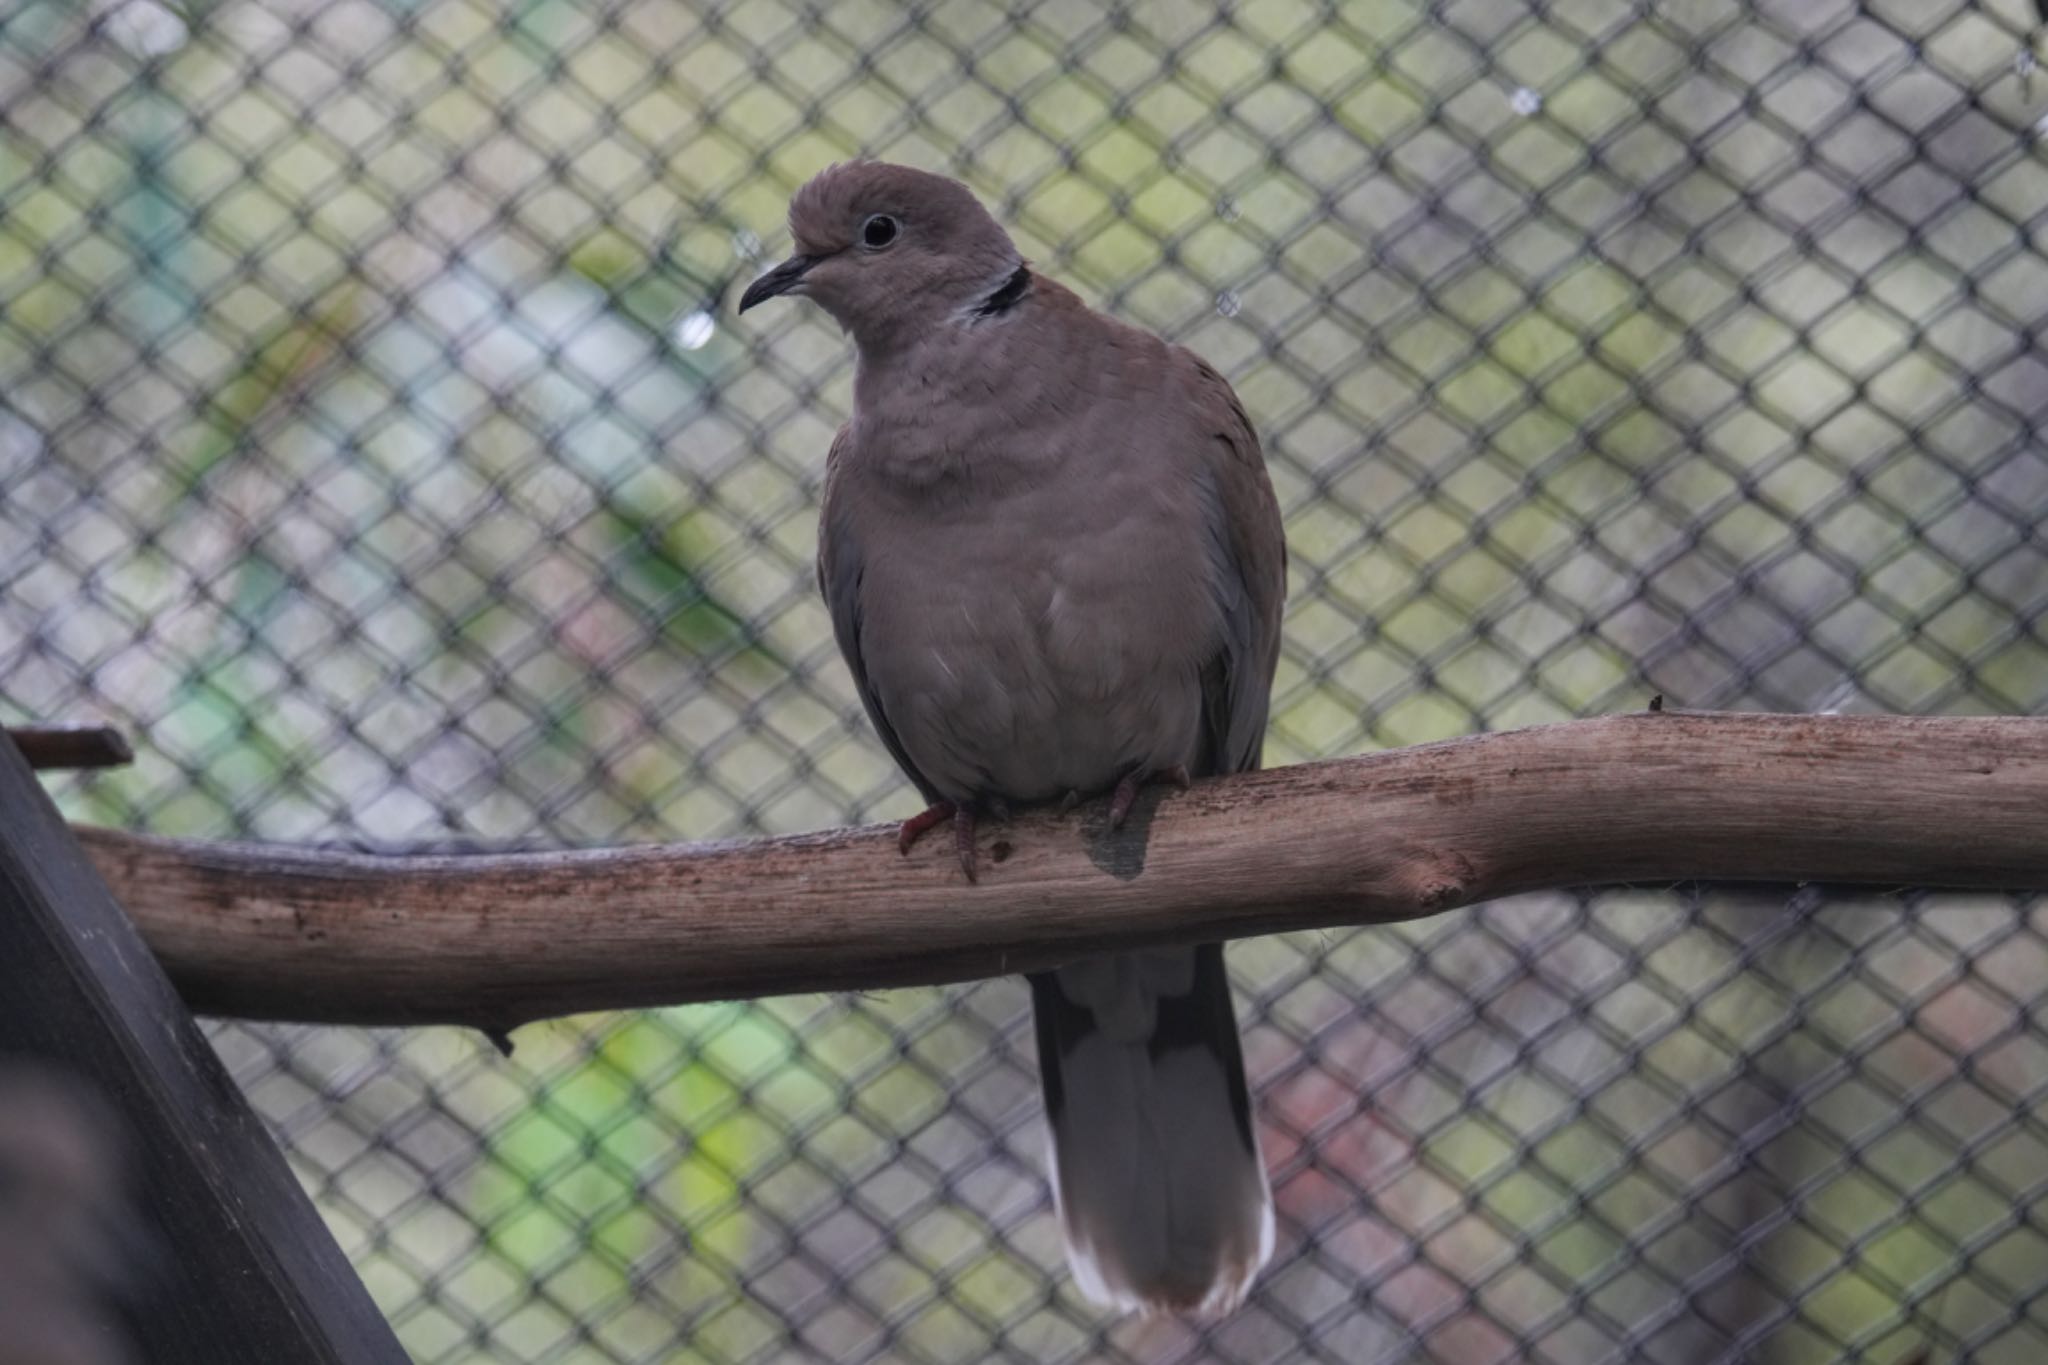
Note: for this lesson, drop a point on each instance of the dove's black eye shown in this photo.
(878, 231)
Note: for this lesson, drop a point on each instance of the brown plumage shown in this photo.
(1055, 565)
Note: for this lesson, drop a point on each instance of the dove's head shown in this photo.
(890, 251)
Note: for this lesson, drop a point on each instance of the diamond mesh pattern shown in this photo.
(375, 449)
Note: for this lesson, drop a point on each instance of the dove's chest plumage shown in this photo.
(1038, 625)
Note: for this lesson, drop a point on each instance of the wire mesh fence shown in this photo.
(378, 448)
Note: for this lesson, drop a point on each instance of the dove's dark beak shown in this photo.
(780, 280)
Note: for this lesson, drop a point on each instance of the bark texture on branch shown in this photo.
(497, 940)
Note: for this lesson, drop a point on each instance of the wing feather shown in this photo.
(840, 580)
(1248, 572)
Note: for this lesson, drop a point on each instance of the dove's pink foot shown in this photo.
(930, 818)
(1127, 790)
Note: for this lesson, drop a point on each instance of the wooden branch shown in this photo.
(497, 940)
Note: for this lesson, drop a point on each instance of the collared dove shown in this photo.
(1055, 566)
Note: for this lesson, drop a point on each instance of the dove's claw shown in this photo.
(934, 815)
(1126, 796)
(963, 839)
(931, 817)
(1127, 790)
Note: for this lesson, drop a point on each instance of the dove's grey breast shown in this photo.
(1020, 538)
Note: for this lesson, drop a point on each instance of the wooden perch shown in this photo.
(497, 940)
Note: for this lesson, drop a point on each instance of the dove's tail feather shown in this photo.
(1162, 1193)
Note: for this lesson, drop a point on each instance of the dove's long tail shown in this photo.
(1162, 1194)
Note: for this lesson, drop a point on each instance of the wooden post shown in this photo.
(234, 1264)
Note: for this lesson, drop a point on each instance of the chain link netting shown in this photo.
(379, 450)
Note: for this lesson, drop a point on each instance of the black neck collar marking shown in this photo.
(1007, 297)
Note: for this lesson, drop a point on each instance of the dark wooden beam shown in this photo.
(232, 1262)
(71, 746)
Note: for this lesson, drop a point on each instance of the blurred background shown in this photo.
(379, 451)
